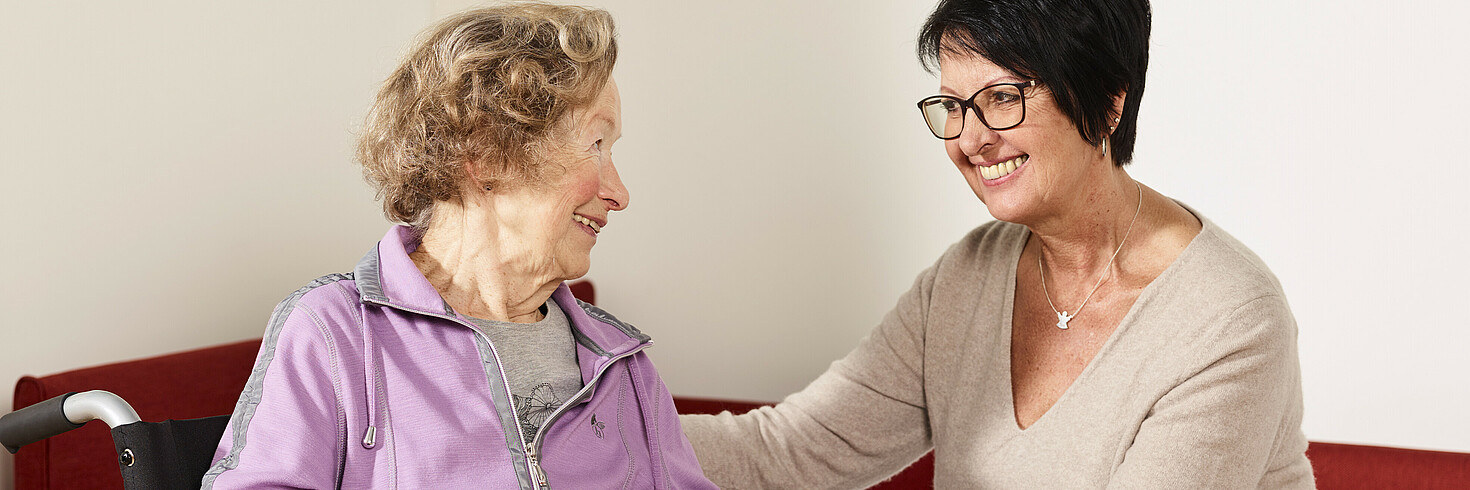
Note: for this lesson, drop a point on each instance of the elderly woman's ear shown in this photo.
(472, 180)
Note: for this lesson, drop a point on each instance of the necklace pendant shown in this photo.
(1062, 319)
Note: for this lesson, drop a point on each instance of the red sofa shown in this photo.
(206, 382)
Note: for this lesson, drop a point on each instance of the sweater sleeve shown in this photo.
(287, 429)
(1233, 421)
(861, 421)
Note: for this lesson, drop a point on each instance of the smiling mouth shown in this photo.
(1003, 169)
(590, 224)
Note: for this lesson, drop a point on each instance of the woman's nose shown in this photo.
(976, 136)
(612, 190)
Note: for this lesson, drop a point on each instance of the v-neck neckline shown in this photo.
(1123, 325)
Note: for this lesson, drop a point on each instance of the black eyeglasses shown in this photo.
(1000, 107)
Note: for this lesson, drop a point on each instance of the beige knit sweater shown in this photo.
(1199, 387)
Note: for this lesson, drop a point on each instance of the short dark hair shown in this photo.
(1084, 51)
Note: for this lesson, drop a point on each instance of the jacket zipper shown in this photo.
(536, 473)
(533, 463)
(533, 450)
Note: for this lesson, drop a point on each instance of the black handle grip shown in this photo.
(34, 423)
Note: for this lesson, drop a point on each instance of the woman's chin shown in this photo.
(577, 274)
(574, 269)
(1003, 207)
(1005, 203)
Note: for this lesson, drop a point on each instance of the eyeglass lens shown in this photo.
(1000, 107)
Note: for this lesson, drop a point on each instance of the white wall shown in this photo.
(171, 170)
(1329, 136)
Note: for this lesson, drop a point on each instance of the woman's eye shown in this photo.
(597, 146)
(1004, 97)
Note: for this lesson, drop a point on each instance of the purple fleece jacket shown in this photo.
(368, 380)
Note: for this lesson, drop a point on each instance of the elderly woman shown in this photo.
(1098, 335)
(453, 356)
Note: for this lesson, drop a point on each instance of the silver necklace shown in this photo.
(1064, 317)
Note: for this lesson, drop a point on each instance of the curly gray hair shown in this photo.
(488, 87)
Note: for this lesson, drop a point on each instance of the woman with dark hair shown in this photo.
(1098, 334)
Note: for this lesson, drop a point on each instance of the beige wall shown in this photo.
(171, 170)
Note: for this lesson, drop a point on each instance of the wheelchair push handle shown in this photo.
(61, 414)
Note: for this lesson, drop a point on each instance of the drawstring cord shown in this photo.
(370, 368)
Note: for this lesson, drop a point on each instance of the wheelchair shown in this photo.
(151, 455)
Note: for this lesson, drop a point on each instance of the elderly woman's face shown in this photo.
(558, 222)
(1023, 174)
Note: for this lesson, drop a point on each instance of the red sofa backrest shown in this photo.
(1352, 467)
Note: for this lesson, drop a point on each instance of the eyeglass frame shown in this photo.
(969, 104)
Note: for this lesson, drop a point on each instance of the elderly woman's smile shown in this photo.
(543, 228)
(591, 225)
(492, 145)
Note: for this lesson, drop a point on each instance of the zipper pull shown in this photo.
(536, 472)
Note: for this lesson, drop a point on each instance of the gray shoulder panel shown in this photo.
(609, 319)
(369, 281)
(250, 397)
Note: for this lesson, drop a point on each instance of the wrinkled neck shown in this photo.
(480, 270)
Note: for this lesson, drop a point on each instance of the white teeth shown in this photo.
(588, 222)
(1003, 169)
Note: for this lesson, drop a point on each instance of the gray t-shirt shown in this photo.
(540, 363)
